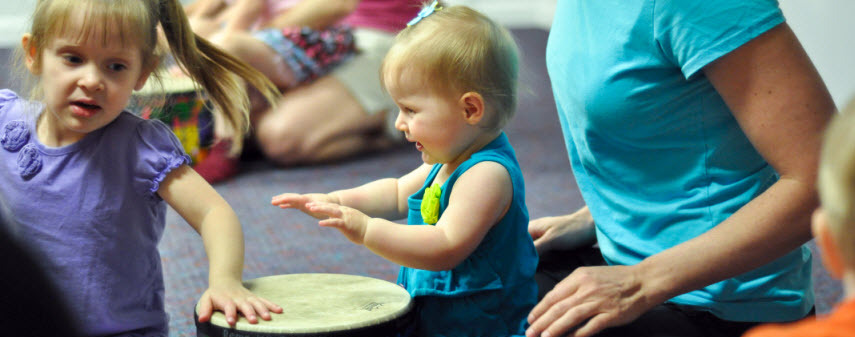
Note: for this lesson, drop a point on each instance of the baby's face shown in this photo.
(432, 119)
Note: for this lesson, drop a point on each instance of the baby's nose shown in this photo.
(399, 122)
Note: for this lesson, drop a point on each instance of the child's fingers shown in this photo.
(230, 310)
(206, 309)
(248, 310)
(271, 306)
(332, 222)
(282, 199)
(325, 208)
(260, 307)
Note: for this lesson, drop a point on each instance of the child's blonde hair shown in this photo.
(217, 72)
(837, 180)
(458, 50)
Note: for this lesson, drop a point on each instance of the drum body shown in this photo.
(176, 102)
(322, 305)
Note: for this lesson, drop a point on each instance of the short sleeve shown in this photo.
(694, 33)
(158, 153)
(7, 100)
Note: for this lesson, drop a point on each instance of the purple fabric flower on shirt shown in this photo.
(15, 135)
(29, 161)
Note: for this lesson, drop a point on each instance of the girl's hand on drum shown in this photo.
(299, 201)
(349, 221)
(232, 297)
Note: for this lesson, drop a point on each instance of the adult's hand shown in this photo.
(589, 300)
(562, 232)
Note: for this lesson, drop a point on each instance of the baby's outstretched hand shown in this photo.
(299, 201)
(232, 297)
(349, 221)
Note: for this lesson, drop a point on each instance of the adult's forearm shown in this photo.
(244, 15)
(314, 13)
(771, 225)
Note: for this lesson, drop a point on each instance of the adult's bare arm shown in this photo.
(314, 13)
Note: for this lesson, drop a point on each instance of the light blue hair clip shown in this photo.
(425, 12)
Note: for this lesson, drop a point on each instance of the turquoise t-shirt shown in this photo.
(657, 154)
(493, 290)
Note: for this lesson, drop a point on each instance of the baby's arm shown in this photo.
(480, 197)
(383, 198)
(209, 214)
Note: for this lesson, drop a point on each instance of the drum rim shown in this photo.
(242, 323)
(400, 326)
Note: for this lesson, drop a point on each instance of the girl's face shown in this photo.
(87, 81)
(435, 122)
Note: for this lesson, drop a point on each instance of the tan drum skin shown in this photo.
(321, 305)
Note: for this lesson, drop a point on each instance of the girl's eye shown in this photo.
(117, 67)
(72, 59)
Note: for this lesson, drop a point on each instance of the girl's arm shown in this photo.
(480, 197)
(209, 214)
(781, 103)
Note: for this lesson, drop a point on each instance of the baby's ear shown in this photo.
(473, 107)
(832, 257)
(30, 57)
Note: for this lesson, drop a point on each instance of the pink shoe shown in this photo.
(218, 165)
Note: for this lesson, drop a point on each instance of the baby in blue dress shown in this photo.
(467, 258)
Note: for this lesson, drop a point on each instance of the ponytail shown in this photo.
(218, 72)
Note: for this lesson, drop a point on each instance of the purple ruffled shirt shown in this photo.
(91, 210)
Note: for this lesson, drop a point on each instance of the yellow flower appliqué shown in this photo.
(430, 204)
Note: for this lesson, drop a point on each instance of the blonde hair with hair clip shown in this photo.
(457, 50)
(217, 72)
(837, 180)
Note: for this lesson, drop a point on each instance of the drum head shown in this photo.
(314, 304)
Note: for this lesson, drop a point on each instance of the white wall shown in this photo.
(825, 28)
(14, 17)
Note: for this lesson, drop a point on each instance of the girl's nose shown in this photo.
(91, 80)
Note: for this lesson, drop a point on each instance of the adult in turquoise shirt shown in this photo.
(693, 130)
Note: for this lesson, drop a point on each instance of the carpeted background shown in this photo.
(282, 242)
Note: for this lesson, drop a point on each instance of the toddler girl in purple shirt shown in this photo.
(86, 181)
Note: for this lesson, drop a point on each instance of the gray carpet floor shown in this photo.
(283, 242)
